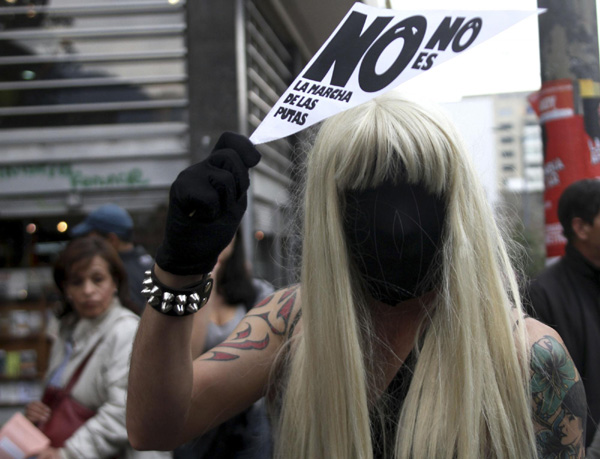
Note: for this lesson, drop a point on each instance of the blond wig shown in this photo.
(469, 395)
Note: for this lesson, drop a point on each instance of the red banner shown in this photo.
(571, 148)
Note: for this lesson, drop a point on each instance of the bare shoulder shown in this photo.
(558, 396)
(536, 330)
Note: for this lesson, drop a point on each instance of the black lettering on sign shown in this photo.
(411, 30)
(314, 88)
(345, 50)
(325, 91)
(291, 99)
(419, 60)
(473, 27)
(301, 86)
(301, 101)
(307, 102)
(291, 116)
(428, 58)
(444, 33)
(454, 32)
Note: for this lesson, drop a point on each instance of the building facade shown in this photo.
(504, 137)
(519, 145)
(107, 101)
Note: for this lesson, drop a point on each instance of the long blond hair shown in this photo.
(469, 395)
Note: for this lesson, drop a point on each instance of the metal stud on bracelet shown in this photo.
(176, 302)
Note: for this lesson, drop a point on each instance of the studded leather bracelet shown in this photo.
(176, 302)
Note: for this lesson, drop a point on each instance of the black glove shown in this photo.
(206, 204)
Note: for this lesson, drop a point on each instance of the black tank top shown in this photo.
(384, 419)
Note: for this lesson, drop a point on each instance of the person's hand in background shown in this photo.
(37, 412)
(49, 453)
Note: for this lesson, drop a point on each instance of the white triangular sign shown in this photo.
(374, 50)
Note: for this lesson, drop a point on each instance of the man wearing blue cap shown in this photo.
(116, 225)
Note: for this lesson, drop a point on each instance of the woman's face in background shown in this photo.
(90, 287)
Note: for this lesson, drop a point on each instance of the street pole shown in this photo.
(569, 40)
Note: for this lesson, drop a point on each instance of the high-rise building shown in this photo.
(519, 146)
(504, 137)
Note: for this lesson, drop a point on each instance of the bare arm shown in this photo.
(160, 376)
(173, 399)
(559, 402)
(200, 329)
(207, 201)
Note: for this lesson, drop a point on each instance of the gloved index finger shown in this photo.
(242, 145)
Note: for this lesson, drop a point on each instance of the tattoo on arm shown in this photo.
(248, 344)
(244, 333)
(287, 302)
(221, 356)
(265, 301)
(242, 341)
(560, 408)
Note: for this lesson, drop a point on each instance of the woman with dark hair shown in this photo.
(235, 292)
(82, 251)
(96, 330)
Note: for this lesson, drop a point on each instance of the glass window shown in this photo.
(73, 63)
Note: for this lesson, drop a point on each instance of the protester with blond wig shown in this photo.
(405, 337)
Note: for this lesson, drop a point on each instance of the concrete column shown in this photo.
(212, 70)
(569, 40)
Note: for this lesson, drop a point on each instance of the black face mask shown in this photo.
(394, 232)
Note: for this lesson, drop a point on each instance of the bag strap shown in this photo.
(80, 369)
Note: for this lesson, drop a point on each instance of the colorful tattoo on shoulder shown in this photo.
(560, 408)
(242, 341)
(286, 304)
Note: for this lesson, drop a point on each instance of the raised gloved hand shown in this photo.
(206, 205)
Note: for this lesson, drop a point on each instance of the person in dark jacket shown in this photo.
(114, 224)
(566, 295)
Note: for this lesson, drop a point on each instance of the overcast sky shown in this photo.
(508, 62)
